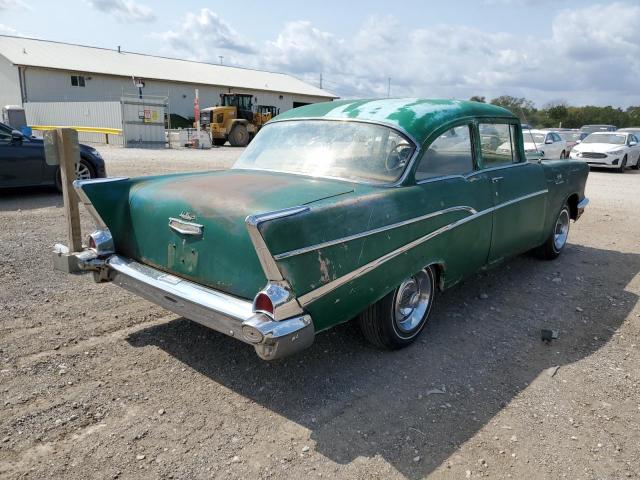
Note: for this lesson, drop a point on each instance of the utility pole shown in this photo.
(221, 57)
(389, 87)
(320, 80)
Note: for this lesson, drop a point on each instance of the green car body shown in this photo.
(323, 249)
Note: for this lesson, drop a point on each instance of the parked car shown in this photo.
(571, 138)
(22, 162)
(598, 128)
(633, 130)
(541, 144)
(617, 150)
(335, 210)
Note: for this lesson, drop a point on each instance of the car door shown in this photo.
(634, 157)
(561, 145)
(449, 181)
(518, 191)
(551, 147)
(21, 161)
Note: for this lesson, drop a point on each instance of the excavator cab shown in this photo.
(264, 113)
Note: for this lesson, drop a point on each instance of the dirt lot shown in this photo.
(97, 383)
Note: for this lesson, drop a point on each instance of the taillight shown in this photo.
(92, 242)
(263, 304)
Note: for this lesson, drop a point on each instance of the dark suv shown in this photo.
(22, 162)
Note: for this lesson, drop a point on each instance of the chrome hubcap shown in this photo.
(82, 171)
(561, 231)
(412, 301)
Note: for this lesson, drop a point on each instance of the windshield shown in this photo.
(532, 137)
(615, 138)
(570, 136)
(347, 150)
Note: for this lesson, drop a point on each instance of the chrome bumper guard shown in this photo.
(219, 311)
(581, 206)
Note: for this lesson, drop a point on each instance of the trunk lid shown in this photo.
(222, 256)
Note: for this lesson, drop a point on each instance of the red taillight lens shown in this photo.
(262, 303)
(92, 242)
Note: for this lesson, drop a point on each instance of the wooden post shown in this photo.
(69, 155)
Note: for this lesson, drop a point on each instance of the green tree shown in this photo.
(521, 107)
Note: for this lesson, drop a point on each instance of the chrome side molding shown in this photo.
(321, 291)
(300, 251)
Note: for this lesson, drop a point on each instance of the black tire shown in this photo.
(239, 136)
(552, 248)
(218, 142)
(623, 165)
(87, 164)
(563, 155)
(378, 321)
(637, 165)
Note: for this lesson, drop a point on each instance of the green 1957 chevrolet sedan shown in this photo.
(352, 209)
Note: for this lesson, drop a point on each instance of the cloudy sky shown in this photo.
(583, 52)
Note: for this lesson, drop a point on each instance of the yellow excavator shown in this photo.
(235, 119)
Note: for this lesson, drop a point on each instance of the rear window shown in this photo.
(357, 151)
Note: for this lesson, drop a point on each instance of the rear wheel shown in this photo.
(239, 136)
(396, 320)
(84, 171)
(218, 142)
(555, 243)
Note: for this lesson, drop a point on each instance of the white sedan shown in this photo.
(617, 150)
(542, 144)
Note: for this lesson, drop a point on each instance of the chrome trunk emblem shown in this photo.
(187, 216)
(185, 228)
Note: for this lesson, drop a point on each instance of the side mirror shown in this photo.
(16, 136)
(631, 144)
(578, 141)
(548, 142)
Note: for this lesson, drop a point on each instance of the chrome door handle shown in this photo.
(496, 179)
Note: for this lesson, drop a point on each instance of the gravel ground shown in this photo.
(97, 383)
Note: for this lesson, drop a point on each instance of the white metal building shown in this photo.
(44, 71)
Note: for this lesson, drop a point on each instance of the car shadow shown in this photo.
(481, 348)
(29, 198)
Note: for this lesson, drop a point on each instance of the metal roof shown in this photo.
(418, 117)
(79, 58)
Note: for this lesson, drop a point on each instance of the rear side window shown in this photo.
(498, 144)
(449, 154)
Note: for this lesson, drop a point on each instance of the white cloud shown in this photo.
(9, 4)
(591, 56)
(204, 36)
(7, 30)
(124, 10)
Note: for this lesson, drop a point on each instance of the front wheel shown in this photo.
(239, 136)
(555, 243)
(637, 165)
(623, 165)
(396, 320)
(563, 155)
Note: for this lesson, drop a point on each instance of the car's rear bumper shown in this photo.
(214, 309)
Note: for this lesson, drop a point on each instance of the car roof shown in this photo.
(417, 117)
(608, 133)
(544, 132)
(628, 129)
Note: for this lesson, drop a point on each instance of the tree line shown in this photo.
(560, 114)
